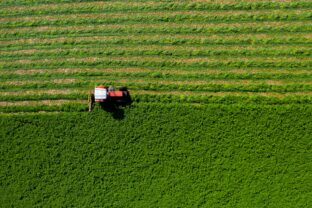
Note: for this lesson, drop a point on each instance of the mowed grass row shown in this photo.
(14, 4)
(159, 51)
(146, 18)
(27, 3)
(290, 77)
(160, 85)
(289, 40)
(158, 63)
(161, 14)
(157, 29)
(175, 52)
(43, 3)
(139, 7)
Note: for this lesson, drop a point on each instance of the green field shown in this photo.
(153, 155)
(221, 112)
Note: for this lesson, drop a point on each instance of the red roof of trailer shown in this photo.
(115, 94)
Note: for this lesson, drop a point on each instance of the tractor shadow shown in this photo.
(116, 110)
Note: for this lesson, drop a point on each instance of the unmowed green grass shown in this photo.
(159, 155)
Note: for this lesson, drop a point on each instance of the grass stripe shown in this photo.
(138, 7)
(158, 86)
(184, 18)
(152, 80)
(153, 42)
(301, 28)
(158, 26)
(167, 37)
(178, 53)
(153, 14)
(165, 64)
(142, 69)
(13, 3)
(41, 102)
(72, 106)
(162, 76)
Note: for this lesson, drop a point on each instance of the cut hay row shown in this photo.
(97, 48)
(138, 7)
(157, 85)
(184, 18)
(285, 78)
(12, 4)
(175, 53)
(124, 45)
(71, 106)
(195, 42)
(122, 15)
(78, 82)
(155, 58)
(40, 102)
(299, 54)
(167, 26)
(156, 38)
(148, 70)
(157, 29)
(164, 63)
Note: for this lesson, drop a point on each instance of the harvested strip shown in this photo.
(199, 41)
(160, 30)
(44, 92)
(23, 82)
(99, 7)
(185, 18)
(134, 69)
(190, 64)
(282, 77)
(175, 53)
(155, 27)
(65, 107)
(92, 59)
(101, 48)
(14, 4)
(271, 86)
(17, 83)
(153, 37)
(41, 102)
(151, 14)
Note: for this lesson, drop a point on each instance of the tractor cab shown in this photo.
(100, 94)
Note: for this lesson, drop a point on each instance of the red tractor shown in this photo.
(108, 96)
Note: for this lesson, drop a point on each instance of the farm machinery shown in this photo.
(108, 96)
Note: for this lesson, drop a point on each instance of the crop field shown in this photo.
(221, 113)
(164, 51)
